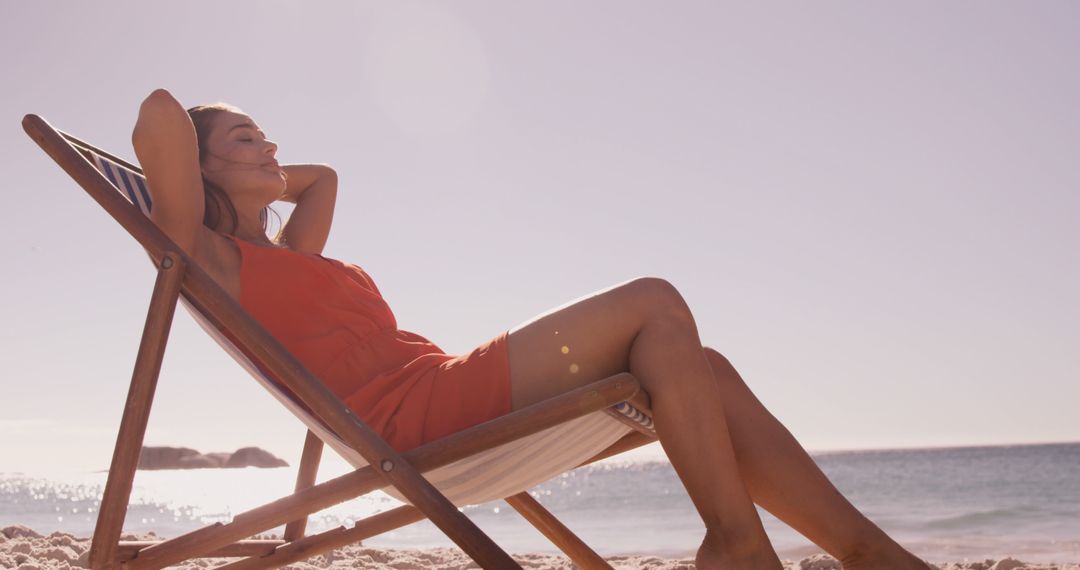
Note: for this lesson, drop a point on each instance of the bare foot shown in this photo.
(893, 557)
(712, 557)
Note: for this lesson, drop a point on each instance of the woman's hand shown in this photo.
(313, 188)
(300, 177)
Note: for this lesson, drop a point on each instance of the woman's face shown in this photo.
(241, 160)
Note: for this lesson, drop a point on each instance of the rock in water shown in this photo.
(166, 457)
(254, 457)
(186, 458)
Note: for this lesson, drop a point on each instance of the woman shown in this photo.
(212, 174)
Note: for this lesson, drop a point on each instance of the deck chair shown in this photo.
(501, 458)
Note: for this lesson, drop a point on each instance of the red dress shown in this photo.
(331, 317)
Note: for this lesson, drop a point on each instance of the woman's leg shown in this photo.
(784, 480)
(644, 327)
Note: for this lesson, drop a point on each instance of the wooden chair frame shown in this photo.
(178, 274)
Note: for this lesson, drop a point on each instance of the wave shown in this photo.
(985, 518)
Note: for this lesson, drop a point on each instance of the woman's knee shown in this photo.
(720, 363)
(661, 297)
(715, 358)
(723, 370)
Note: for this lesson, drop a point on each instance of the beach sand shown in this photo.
(22, 548)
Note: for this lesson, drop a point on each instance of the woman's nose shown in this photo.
(271, 147)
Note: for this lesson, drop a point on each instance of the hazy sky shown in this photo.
(870, 207)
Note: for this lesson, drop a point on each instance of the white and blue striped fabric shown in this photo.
(489, 475)
(131, 184)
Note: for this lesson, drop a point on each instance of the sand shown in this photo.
(22, 548)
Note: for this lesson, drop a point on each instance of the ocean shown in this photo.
(944, 504)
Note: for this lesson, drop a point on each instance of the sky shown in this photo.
(869, 207)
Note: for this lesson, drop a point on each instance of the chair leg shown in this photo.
(309, 468)
(556, 531)
(316, 544)
(125, 459)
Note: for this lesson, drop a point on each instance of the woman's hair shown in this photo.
(217, 201)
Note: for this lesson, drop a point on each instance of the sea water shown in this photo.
(945, 504)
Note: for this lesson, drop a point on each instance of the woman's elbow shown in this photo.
(158, 106)
(160, 96)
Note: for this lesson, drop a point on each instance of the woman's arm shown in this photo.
(313, 188)
(165, 144)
